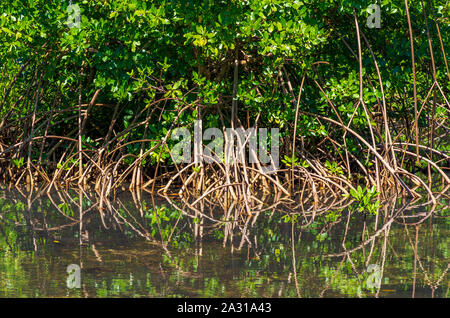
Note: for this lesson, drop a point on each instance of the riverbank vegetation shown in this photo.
(95, 104)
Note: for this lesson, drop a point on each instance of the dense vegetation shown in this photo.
(97, 102)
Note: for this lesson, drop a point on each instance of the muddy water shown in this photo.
(47, 249)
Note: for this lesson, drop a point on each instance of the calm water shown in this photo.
(119, 253)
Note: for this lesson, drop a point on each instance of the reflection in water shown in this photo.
(140, 245)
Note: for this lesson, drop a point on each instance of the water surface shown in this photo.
(119, 250)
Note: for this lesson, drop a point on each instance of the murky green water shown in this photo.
(119, 253)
